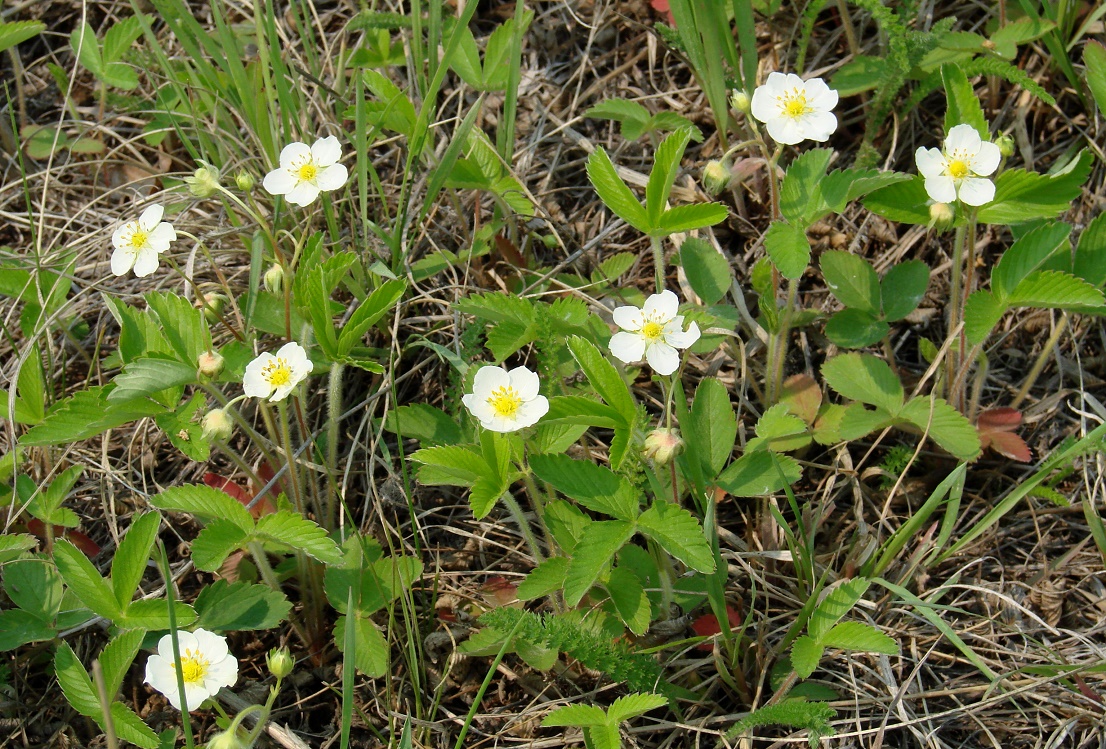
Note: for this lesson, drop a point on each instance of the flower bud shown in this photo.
(716, 177)
(244, 180)
(661, 445)
(214, 304)
(209, 365)
(941, 216)
(274, 278)
(226, 740)
(739, 100)
(216, 425)
(1005, 145)
(280, 662)
(204, 182)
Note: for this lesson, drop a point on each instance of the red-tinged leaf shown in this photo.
(707, 626)
(999, 420)
(803, 397)
(225, 485)
(90, 548)
(661, 6)
(499, 591)
(266, 506)
(1008, 444)
(509, 251)
(447, 615)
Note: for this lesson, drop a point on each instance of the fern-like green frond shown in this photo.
(795, 713)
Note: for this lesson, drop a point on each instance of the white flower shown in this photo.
(795, 110)
(505, 401)
(138, 243)
(305, 172)
(276, 376)
(654, 332)
(206, 665)
(957, 172)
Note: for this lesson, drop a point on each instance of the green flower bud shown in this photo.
(280, 662)
(244, 180)
(1005, 145)
(739, 100)
(204, 182)
(217, 425)
(941, 216)
(214, 304)
(661, 445)
(226, 740)
(716, 177)
(209, 365)
(274, 278)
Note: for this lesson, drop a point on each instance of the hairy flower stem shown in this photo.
(778, 362)
(333, 415)
(956, 352)
(658, 262)
(1042, 359)
(537, 500)
(515, 509)
(167, 573)
(265, 570)
(777, 344)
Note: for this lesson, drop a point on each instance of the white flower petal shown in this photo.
(789, 82)
(303, 194)
(819, 126)
(662, 358)
(332, 177)
(682, 338)
(628, 317)
(120, 237)
(254, 383)
(975, 191)
(281, 392)
(627, 347)
(294, 354)
(763, 105)
(161, 236)
(820, 96)
(185, 640)
(987, 160)
(151, 217)
(196, 695)
(786, 131)
(941, 189)
(213, 646)
(326, 151)
(145, 262)
(530, 413)
(499, 423)
(478, 407)
(280, 181)
(122, 261)
(963, 137)
(661, 307)
(525, 383)
(294, 152)
(931, 162)
(221, 674)
(489, 378)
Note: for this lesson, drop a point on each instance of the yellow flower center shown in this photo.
(794, 104)
(138, 238)
(308, 172)
(506, 401)
(652, 331)
(277, 372)
(193, 666)
(958, 169)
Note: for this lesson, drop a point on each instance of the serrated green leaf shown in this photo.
(1031, 251)
(946, 426)
(903, 288)
(152, 614)
(1022, 196)
(712, 430)
(556, 438)
(368, 312)
(805, 655)
(292, 529)
(1090, 253)
(666, 165)
(117, 658)
(852, 280)
(779, 430)
(603, 737)
(603, 376)
(854, 328)
(619, 110)
(575, 715)
(484, 494)
(864, 378)
(838, 602)
(756, 474)
(183, 325)
(34, 585)
(629, 599)
(129, 727)
(1056, 290)
(205, 503)
(678, 532)
(593, 486)
(498, 308)
(862, 73)
(800, 193)
(598, 544)
(689, 217)
(83, 579)
(1094, 57)
(707, 271)
(86, 414)
(856, 420)
(423, 422)
(982, 312)
(577, 409)
(906, 202)
(566, 523)
(129, 563)
(216, 542)
(963, 104)
(17, 32)
(370, 654)
(14, 544)
(120, 37)
(462, 465)
(19, 627)
(85, 45)
(858, 636)
(75, 682)
(617, 264)
(232, 607)
(545, 579)
(633, 705)
(614, 193)
(788, 248)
